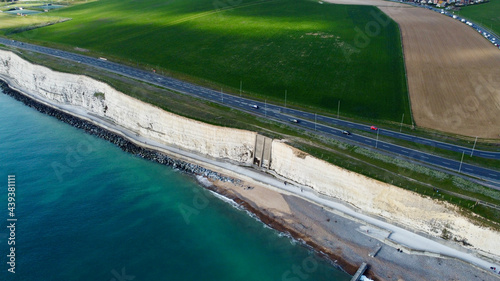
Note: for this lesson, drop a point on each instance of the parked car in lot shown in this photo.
(346, 132)
(293, 120)
(373, 128)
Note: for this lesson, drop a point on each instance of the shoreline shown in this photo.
(278, 225)
(226, 182)
(346, 241)
(120, 141)
(183, 166)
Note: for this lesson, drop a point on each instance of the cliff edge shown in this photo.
(402, 207)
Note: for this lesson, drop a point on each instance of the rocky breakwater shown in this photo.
(119, 141)
(79, 93)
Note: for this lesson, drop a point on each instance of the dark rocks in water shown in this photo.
(119, 141)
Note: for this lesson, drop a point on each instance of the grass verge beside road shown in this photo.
(467, 195)
(493, 164)
(486, 14)
(319, 54)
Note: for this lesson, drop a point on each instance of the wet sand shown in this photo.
(346, 241)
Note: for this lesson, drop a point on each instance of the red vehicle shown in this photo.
(374, 128)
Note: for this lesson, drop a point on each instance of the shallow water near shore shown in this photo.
(88, 211)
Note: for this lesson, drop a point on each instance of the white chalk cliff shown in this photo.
(141, 118)
(409, 209)
(372, 197)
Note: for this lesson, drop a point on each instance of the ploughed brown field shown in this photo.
(453, 71)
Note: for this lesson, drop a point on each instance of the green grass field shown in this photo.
(10, 23)
(487, 14)
(311, 50)
(386, 168)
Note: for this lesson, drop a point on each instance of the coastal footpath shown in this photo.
(100, 104)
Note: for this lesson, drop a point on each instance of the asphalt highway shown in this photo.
(327, 125)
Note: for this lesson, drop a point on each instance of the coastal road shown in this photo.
(490, 36)
(327, 125)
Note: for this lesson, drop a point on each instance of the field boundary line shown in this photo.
(406, 70)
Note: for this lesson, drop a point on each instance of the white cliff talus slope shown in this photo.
(414, 211)
(144, 119)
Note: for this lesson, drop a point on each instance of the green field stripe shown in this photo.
(208, 13)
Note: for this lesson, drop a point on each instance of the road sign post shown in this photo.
(285, 98)
(315, 121)
(401, 126)
(461, 161)
(473, 147)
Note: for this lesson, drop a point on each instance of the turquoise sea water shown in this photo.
(24, 12)
(88, 211)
